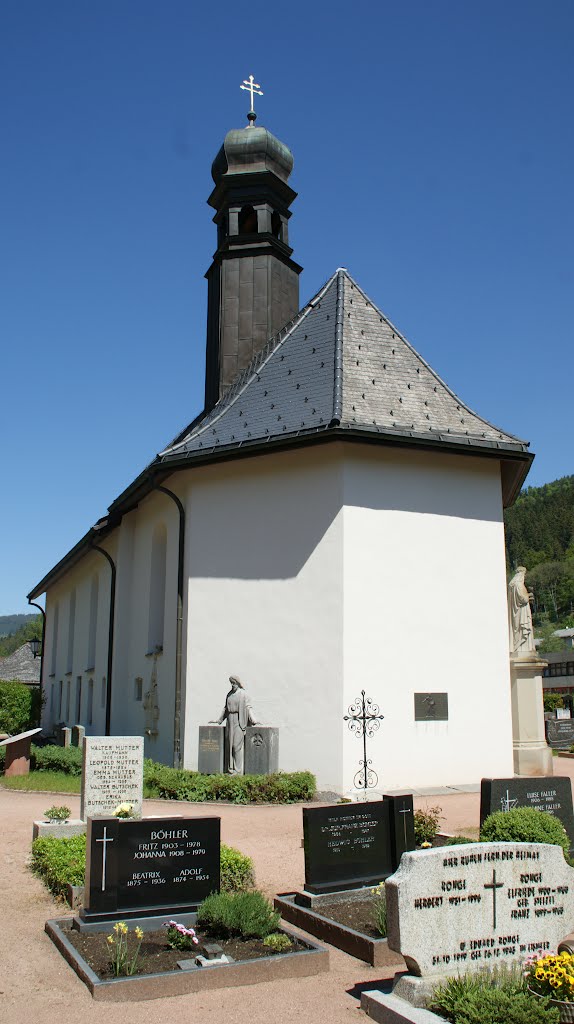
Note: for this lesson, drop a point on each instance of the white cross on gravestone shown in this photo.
(252, 87)
(405, 810)
(104, 840)
(507, 803)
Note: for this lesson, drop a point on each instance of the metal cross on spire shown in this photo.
(252, 87)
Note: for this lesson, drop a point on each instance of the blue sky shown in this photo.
(433, 158)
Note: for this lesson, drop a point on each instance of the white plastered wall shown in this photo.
(264, 565)
(425, 611)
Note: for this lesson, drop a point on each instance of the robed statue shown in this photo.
(519, 615)
(237, 716)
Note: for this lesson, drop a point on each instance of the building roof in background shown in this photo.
(21, 665)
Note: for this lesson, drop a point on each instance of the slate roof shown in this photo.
(339, 364)
(20, 665)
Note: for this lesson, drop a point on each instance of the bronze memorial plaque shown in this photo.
(431, 707)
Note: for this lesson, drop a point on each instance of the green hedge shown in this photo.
(62, 861)
(180, 784)
(524, 825)
(20, 707)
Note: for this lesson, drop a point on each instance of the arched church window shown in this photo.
(94, 594)
(157, 588)
(71, 628)
(247, 221)
(55, 638)
(276, 224)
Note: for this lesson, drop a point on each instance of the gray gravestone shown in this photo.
(261, 750)
(78, 733)
(63, 735)
(559, 732)
(210, 749)
(459, 909)
(112, 774)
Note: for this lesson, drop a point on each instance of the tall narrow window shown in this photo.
(90, 709)
(71, 628)
(52, 699)
(60, 700)
(78, 700)
(103, 695)
(157, 588)
(94, 594)
(68, 688)
(55, 639)
(247, 221)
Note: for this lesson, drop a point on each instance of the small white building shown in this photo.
(333, 492)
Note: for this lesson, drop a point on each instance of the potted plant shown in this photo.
(57, 814)
(552, 976)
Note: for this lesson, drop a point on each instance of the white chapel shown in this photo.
(330, 523)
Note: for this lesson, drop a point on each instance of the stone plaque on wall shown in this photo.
(261, 750)
(210, 749)
(112, 774)
(431, 707)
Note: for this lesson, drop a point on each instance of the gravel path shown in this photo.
(37, 985)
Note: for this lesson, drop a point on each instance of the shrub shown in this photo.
(57, 812)
(553, 701)
(458, 840)
(524, 825)
(277, 942)
(426, 824)
(477, 999)
(247, 914)
(181, 784)
(59, 862)
(237, 873)
(57, 759)
(20, 707)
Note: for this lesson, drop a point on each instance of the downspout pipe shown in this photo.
(39, 607)
(106, 554)
(179, 627)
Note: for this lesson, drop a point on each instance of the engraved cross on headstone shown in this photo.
(404, 811)
(494, 885)
(364, 719)
(104, 840)
(252, 87)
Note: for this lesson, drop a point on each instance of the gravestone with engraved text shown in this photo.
(463, 908)
(210, 749)
(552, 794)
(261, 750)
(112, 774)
(151, 866)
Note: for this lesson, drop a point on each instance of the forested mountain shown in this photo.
(10, 623)
(31, 628)
(540, 535)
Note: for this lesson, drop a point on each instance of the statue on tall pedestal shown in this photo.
(520, 629)
(237, 716)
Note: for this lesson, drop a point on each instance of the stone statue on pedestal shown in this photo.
(237, 716)
(520, 629)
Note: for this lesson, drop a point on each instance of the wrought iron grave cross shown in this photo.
(364, 719)
(252, 87)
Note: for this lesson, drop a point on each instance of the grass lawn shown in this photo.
(50, 782)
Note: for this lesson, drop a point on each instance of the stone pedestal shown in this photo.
(261, 750)
(210, 749)
(18, 752)
(60, 829)
(532, 755)
(63, 735)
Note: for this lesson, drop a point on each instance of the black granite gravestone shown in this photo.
(546, 793)
(348, 846)
(151, 866)
(210, 749)
(560, 733)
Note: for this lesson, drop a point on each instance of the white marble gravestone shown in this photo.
(462, 908)
(112, 774)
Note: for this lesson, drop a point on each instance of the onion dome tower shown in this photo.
(253, 284)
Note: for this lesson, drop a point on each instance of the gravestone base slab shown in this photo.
(313, 900)
(147, 923)
(532, 759)
(390, 1009)
(60, 829)
(417, 991)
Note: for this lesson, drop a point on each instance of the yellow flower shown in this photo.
(111, 940)
(117, 927)
(123, 927)
(139, 933)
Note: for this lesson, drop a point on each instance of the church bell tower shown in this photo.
(253, 284)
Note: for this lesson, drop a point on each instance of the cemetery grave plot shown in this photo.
(349, 850)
